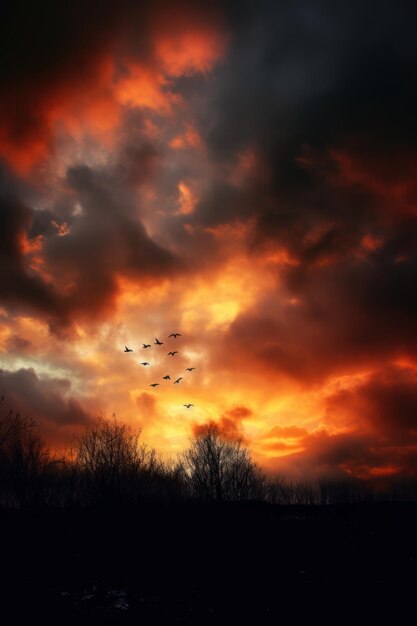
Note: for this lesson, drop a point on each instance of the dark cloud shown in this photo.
(299, 77)
(105, 241)
(18, 285)
(385, 404)
(46, 223)
(45, 399)
(301, 72)
(138, 164)
(345, 455)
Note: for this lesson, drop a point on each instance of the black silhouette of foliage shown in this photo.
(25, 462)
(113, 462)
(216, 468)
(110, 465)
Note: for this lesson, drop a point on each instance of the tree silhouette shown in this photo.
(24, 461)
(112, 461)
(216, 468)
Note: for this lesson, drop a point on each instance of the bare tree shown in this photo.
(112, 461)
(24, 461)
(216, 468)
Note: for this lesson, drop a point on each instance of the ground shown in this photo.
(197, 564)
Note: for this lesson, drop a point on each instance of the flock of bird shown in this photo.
(172, 353)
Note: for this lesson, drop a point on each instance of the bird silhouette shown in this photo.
(146, 345)
(190, 369)
(175, 335)
(157, 342)
(178, 380)
(172, 353)
(188, 405)
(145, 363)
(167, 377)
(128, 349)
(154, 385)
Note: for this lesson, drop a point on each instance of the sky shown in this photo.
(243, 173)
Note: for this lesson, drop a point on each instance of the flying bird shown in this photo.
(154, 385)
(157, 342)
(167, 377)
(146, 345)
(128, 349)
(190, 369)
(188, 405)
(178, 380)
(145, 363)
(172, 353)
(175, 335)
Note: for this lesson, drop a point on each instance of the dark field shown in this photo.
(208, 564)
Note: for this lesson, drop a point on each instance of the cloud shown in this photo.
(45, 399)
(123, 56)
(18, 284)
(65, 273)
(385, 404)
(379, 436)
(104, 242)
(229, 425)
(87, 232)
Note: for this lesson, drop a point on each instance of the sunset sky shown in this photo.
(244, 174)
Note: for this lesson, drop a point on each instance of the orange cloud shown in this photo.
(144, 87)
(80, 105)
(190, 138)
(189, 51)
(88, 97)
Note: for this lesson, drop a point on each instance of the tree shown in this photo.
(24, 461)
(112, 461)
(217, 468)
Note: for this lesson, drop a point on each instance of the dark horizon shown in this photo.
(110, 465)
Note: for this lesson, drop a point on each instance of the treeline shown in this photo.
(110, 465)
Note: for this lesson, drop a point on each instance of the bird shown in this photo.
(175, 335)
(172, 353)
(146, 345)
(167, 377)
(188, 405)
(178, 380)
(128, 349)
(145, 363)
(190, 369)
(154, 385)
(157, 342)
